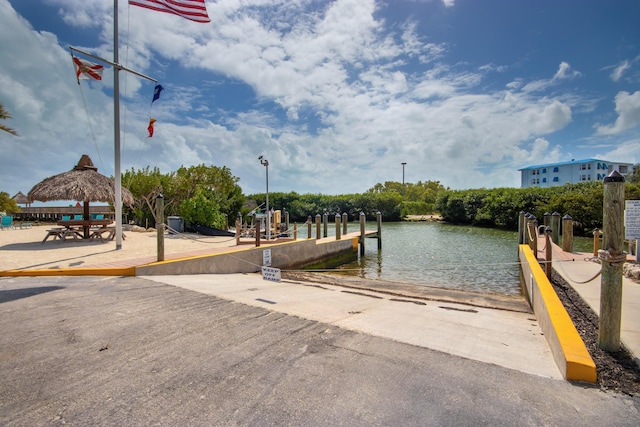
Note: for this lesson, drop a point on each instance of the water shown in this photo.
(441, 255)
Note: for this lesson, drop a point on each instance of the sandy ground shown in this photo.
(23, 248)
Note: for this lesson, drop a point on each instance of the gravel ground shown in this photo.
(616, 371)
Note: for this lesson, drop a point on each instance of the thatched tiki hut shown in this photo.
(21, 199)
(82, 183)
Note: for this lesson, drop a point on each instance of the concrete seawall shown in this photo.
(250, 259)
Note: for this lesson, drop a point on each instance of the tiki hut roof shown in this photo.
(82, 183)
(21, 199)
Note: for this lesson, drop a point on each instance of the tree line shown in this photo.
(500, 207)
(210, 195)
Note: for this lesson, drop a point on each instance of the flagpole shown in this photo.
(116, 118)
(116, 129)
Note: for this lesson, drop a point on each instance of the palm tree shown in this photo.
(4, 114)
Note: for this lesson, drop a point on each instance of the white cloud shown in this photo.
(565, 72)
(627, 152)
(628, 109)
(350, 109)
(617, 73)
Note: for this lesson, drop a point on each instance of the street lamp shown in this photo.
(403, 165)
(265, 163)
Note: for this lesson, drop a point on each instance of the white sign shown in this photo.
(266, 257)
(271, 274)
(632, 219)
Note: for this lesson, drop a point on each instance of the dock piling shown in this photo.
(379, 218)
(345, 220)
(567, 233)
(612, 257)
(318, 219)
(325, 224)
(363, 220)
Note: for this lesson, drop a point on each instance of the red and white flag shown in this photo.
(87, 70)
(194, 10)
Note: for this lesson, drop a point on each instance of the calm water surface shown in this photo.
(442, 255)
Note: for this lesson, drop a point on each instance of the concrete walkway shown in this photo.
(581, 270)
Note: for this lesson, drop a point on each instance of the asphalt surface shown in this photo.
(131, 351)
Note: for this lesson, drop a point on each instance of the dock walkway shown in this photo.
(580, 270)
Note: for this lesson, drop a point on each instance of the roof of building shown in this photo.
(571, 162)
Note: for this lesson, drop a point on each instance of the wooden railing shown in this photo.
(55, 213)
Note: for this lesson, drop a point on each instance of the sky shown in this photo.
(336, 95)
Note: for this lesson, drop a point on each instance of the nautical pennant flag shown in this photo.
(87, 70)
(194, 10)
(156, 93)
(150, 128)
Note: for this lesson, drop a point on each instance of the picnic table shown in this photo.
(89, 227)
(62, 233)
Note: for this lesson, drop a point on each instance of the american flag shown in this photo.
(194, 10)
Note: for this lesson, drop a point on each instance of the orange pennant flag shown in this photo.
(150, 128)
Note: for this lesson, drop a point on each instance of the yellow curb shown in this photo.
(121, 271)
(569, 351)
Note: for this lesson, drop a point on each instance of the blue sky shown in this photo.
(336, 95)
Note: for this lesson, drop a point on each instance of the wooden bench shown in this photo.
(98, 233)
(62, 233)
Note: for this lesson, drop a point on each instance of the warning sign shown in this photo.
(271, 274)
(632, 220)
(266, 257)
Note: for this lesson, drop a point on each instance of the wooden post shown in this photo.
(325, 224)
(379, 218)
(596, 241)
(309, 222)
(522, 221)
(238, 230)
(567, 233)
(534, 235)
(160, 225)
(258, 223)
(295, 231)
(337, 226)
(363, 220)
(546, 220)
(345, 220)
(525, 236)
(318, 219)
(548, 254)
(286, 222)
(555, 227)
(612, 257)
(531, 234)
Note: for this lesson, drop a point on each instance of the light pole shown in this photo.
(403, 165)
(265, 163)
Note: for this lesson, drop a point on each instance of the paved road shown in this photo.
(131, 351)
